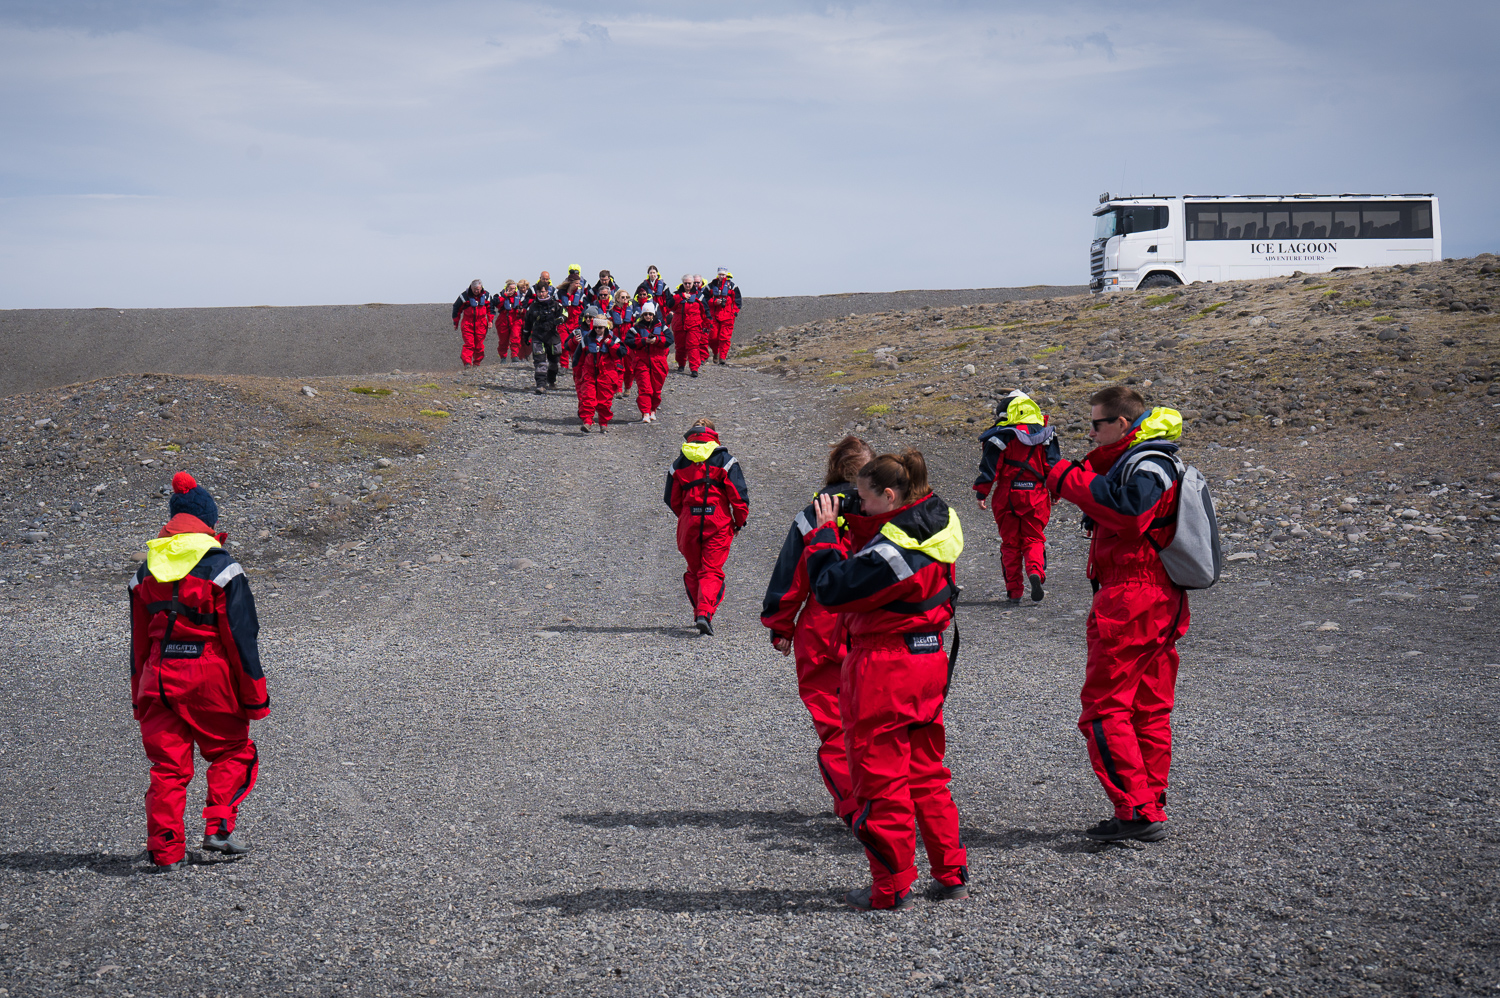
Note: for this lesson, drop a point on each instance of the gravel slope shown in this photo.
(509, 767)
(46, 348)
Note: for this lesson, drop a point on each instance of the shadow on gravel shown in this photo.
(103, 863)
(671, 631)
(816, 831)
(759, 901)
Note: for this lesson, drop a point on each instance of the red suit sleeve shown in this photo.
(1124, 506)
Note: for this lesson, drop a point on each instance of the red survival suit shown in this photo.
(195, 678)
(648, 340)
(707, 493)
(1018, 451)
(574, 299)
(723, 306)
(471, 317)
(895, 593)
(596, 371)
(508, 323)
(657, 291)
(690, 324)
(621, 317)
(819, 644)
(1138, 614)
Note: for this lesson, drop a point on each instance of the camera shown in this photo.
(848, 505)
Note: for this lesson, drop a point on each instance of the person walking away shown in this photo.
(1128, 489)
(689, 319)
(655, 288)
(1018, 451)
(195, 675)
(622, 314)
(706, 492)
(574, 296)
(799, 623)
(649, 339)
(723, 305)
(543, 319)
(472, 312)
(596, 370)
(891, 574)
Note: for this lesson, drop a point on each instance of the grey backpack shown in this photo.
(1193, 558)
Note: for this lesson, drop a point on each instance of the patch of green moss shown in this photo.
(439, 413)
(367, 390)
(878, 410)
(1163, 299)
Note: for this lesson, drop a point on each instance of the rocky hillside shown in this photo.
(1351, 415)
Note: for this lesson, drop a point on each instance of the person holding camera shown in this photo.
(689, 323)
(798, 622)
(543, 320)
(648, 340)
(890, 571)
(596, 369)
(1127, 487)
(706, 492)
(723, 305)
(1018, 452)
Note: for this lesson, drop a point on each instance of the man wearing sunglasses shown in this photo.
(1128, 487)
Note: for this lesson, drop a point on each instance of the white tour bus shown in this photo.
(1158, 242)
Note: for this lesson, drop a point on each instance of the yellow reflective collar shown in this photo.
(1021, 410)
(1161, 424)
(171, 558)
(944, 546)
(699, 452)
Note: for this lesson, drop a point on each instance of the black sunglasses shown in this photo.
(1096, 422)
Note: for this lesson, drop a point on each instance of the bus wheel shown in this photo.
(1159, 280)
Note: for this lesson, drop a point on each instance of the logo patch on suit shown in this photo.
(924, 644)
(1023, 485)
(703, 511)
(182, 649)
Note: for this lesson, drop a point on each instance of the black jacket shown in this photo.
(542, 320)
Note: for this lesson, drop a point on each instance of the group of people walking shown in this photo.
(612, 339)
(863, 592)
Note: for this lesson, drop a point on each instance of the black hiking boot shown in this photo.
(584, 428)
(704, 625)
(1012, 601)
(1036, 589)
(155, 867)
(1115, 830)
(693, 374)
(540, 390)
(225, 842)
(940, 891)
(860, 901)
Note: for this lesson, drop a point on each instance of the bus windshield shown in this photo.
(1104, 224)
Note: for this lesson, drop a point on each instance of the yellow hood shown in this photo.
(1021, 410)
(944, 546)
(699, 452)
(1160, 424)
(171, 558)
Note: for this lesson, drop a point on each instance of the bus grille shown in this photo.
(1096, 262)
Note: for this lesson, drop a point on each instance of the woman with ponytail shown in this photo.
(888, 567)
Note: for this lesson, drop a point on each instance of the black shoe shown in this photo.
(1036, 589)
(940, 891)
(540, 390)
(704, 625)
(156, 867)
(860, 901)
(1013, 601)
(603, 428)
(693, 373)
(680, 367)
(1115, 830)
(225, 842)
(584, 428)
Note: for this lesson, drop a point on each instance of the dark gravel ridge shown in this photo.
(499, 763)
(47, 348)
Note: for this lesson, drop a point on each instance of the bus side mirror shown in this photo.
(1128, 224)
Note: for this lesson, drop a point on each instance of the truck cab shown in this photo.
(1138, 242)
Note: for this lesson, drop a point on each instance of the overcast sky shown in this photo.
(175, 153)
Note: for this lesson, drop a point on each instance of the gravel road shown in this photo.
(519, 771)
(47, 348)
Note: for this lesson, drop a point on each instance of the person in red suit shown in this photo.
(574, 296)
(511, 307)
(689, 324)
(195, 675)
(654, 288)
(1018, 451)
(890, 573)
(799, 623)
(1128, 488)
(648, 339)
(723, 305)
(472, 312)
(596, 370)
(706, 492)
(622, 313)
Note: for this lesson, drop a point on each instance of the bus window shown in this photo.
(1311, 220)
(1130, 219)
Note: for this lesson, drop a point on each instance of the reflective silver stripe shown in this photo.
(135, 580)
(223, 577)
(883, 548)
(730, 464)
(802, 524)
(1146, 464)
